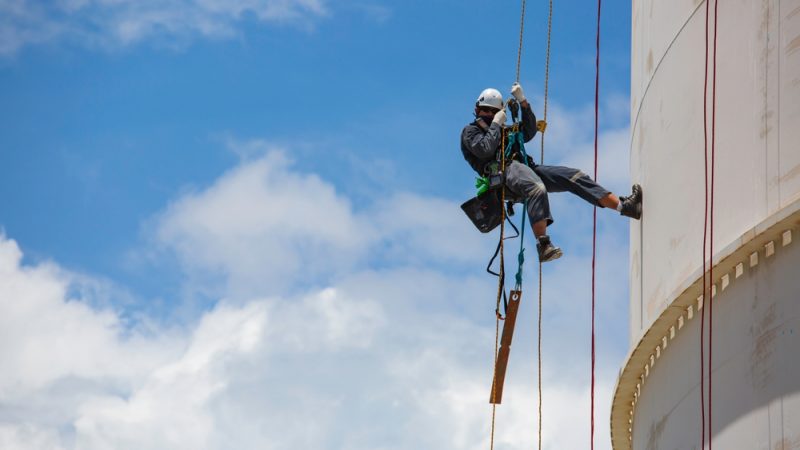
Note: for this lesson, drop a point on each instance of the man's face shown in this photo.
(486, 113)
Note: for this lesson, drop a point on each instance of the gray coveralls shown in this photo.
(480, 144)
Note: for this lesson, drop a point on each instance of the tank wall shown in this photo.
(757, 134)
(756, 376)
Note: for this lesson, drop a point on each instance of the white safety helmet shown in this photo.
(490, 97)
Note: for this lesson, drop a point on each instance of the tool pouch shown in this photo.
(485, 210)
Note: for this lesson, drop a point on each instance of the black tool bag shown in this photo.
(485, 211)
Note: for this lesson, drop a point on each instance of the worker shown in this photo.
(524, 180)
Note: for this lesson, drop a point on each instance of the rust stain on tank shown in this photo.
(655, 432)
(641, 137)
(766, 119)
(656, 300)
(764, 25)
(788, 444)
(650, 61)
(793, 13)
(764, 333)
(791, 174)
(793, 46)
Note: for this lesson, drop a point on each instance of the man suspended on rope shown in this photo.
(524, 180)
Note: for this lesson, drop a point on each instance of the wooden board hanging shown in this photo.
(496, 396)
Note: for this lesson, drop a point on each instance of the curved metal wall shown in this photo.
(758, 133)
(757, 207)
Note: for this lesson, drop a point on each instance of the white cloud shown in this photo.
(74, 377)
(417, 229)
(28, 437)
(56, 350)
(112, 23)
(395, 359)
(46, 335)
(168, 411)
(344, 327)
(265, 227)
(372, 10)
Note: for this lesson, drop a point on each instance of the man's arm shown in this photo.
(482, 145)
(528, 121)
(528, 117)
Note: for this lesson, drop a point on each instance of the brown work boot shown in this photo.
(547, 251)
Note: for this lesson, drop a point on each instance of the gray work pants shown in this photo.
(523, 183)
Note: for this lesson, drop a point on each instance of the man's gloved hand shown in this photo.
(500, 117)
(517, 92)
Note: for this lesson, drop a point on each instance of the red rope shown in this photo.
(708, 230)
(705, 243)
(594, 220)
(711, 219)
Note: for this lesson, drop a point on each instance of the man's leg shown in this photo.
(524, 183)
(560, 179)
(567, 179)
(540, 228)
(610, 201)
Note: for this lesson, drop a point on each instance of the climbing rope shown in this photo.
(546, 74)
(705, 237)
(711, 220)
(541, 161)
(594, 215)
(501, 274)
(516, 135)
(708, 228)
(521, 33)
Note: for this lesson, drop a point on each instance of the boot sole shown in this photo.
(552, 256)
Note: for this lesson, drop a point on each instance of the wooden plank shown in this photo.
(496, 396)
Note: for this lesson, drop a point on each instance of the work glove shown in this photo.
(517, 92)
(500, 117)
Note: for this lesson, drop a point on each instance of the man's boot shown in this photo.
(547, 251)
(632, 205)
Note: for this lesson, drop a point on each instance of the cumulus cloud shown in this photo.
(75, 377)
(265, 226)
(388, 346)
(112, 23)
(46, 335)
(395, 359)
(56, 350)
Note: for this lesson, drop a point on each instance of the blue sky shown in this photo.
(235, 179)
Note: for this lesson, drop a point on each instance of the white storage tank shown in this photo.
(756, 253)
